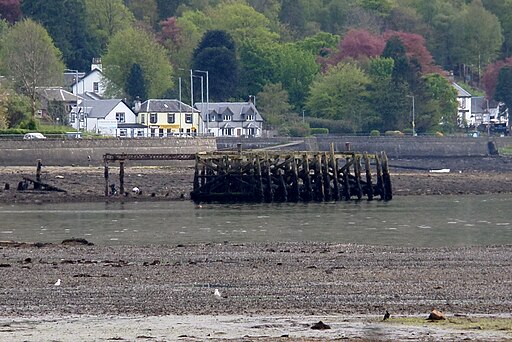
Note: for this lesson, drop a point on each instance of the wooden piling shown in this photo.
(121, 177)
(105, 175)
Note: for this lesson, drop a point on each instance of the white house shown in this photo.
(464, 117)
(234, 119)
(107, 117)
(91, 83)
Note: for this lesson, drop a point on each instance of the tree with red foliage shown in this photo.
(10, 10)
(415, 49)
(357, 44)
(361, 44)
(490, 77)
(170, 32)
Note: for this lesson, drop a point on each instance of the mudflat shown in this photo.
(266, 291)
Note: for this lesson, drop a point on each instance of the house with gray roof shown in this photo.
(106, 117)
(464, 118)
(166, 117)
(56, 103)
(231, 119)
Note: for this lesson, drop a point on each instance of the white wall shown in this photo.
(86, 84)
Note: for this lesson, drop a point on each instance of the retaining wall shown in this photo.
(90, 152)
(83, 152)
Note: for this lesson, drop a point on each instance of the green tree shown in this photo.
(503, 10)
(273, 105)
(14, 108)
(341, 94)
(441, 97)
(136, 84)
(144, 10)
(242, 22)
(216, 53)
(107, 17)
(296, 69)
(66, 24)
(475, 45)
(388, 98)
(504, 87)
(190, 28)
(151, 57)
(258, 66)
(30, 59)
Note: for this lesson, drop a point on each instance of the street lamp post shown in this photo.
(207, 98)
(413, 116)
(202, 95)
(72, 71)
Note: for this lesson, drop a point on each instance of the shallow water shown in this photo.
(406, 221)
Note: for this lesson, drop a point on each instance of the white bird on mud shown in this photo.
(217, 294)
(57, 283)
(136, 190)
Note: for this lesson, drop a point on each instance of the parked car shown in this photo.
(35, 135)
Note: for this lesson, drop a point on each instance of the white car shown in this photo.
(30, 136)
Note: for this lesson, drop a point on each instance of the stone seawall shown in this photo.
(83, 152)
(90, 152)
(395, 147)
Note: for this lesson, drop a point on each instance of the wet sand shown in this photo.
(270, 292)
(269, 289)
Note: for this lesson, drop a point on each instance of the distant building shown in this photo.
(165, 118)
(106, 117)
(230, 119)
(464, 117)
(91, 83)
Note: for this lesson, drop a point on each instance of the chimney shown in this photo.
(252, 99)
(96, 64)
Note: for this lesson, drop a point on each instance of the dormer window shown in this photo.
(227, 117)
(250, 117)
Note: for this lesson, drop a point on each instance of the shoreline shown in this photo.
(489, 175)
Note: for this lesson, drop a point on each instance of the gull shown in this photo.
(57, 283)
(216, 293)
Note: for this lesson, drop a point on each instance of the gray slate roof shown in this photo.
(100, 108)
(460, 91)
(236, 109)
(479, 104)
(164, 106)
(56, 94)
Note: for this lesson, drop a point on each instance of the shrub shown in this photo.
(375, 133)
(319, 130)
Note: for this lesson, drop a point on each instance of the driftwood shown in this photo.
(38, 185)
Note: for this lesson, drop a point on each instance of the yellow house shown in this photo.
(165, 118)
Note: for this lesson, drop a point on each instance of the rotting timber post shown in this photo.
(266, 176)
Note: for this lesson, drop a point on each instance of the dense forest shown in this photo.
(342, 65)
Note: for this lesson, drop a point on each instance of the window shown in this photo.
(161, 132)
(250, 117)
(188, 118)
(169, 132)
(122, 132)
(96, 87)
(153, 118)
(171, 119)
(120, 117)
(140, 133)
(153, 133)
(227, 131)
(143, 119)
(227, 117)
(72, 120)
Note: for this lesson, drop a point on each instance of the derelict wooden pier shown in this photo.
(278, 176)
